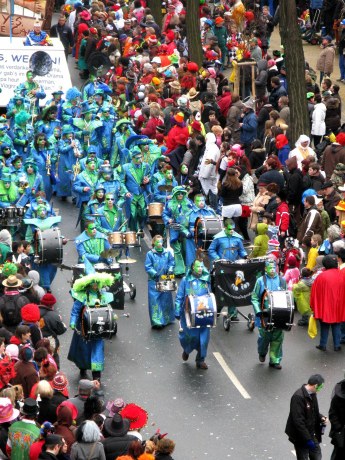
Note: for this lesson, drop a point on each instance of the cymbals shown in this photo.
(165, 188)
(110, 253)
(128, 260)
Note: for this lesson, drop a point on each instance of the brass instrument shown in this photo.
(29, 94)
(76, 169)
(57, 166)
(48, 164)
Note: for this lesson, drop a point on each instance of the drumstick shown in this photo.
(123, 224)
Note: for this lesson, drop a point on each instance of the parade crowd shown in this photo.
(154, 143)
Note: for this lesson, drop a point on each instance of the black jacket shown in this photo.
(294, 182)
(304, 421)
(115, 446)
(337, 410)
(64, 33)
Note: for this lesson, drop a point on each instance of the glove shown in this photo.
(177, 317)
(310, 444)
(109, 260)
(72, 326)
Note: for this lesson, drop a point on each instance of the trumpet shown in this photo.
(76, 150)
(76, 169)
(48, 164)
(29, 94)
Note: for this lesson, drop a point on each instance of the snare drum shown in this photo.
(115, 238)
(205, 229)
(48, 245)
(201, 311)
(116, 289)
(98, 323)
(10, 212)
(166, 285)
(155, 210)
(20, 211)
(281, 310)
(131, 238)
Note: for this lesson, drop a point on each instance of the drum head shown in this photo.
(48, 246)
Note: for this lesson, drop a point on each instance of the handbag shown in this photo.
(312, 327)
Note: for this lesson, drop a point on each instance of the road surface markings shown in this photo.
(231, 375)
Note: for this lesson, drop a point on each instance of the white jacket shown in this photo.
(318, 127)
(212, 152)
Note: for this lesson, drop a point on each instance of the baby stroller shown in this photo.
(310, 35)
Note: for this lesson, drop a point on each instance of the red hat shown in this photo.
(249, 15)
(70, 406)
(136, 415)
(340, 138)
(153, 39)
(93, 30)
(170, 35)
(48, 300)
(192, 67)
(219, 20)
(196, 126)
(281, 141)
(30, 313)
(168, 100)
(59, 382)
(292, 261)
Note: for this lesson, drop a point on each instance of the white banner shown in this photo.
(14, 63)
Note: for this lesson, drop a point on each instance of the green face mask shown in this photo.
(270, 270)
(158, 245)
(200, 202)
(184, 169)
(168, 175)
(229, 230)
(198, 267)
(91, 228)
(319, 387)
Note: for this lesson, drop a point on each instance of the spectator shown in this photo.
(326, 59)
(277, 91)
(88, 442)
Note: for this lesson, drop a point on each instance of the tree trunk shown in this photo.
(193, 32)
(295, 70)
(156, 9)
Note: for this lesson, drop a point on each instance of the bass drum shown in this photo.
(98, 323)
(280, 311)
(116, 289)
(205, 229)
(48, 246)
(201, 311)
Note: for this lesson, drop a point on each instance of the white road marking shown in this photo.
(231, 375)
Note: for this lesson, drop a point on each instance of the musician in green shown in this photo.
(268, 341)
(90, 244)
(32, 91)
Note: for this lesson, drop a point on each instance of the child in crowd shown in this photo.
(316, 241)
(301, 292)
(326, 221)
(260, 241)
(291, 250)
(292, 274)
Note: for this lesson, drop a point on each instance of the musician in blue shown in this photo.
(200, 210)
(111, 182)
(56, 101)
(71, 107)
(160, 195)
(34, 181)
(44, 158)
(159, 261)
(268, 341)
(228, 245)
(196, 283)
(88, 291)
(68, 153)
(110, 217)
(90, 244)
(23, 133)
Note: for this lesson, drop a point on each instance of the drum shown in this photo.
(201, 311)
(281, 310)
(166, 285)
(115, 238)
(116, 289)
(20, 211)
(131, 239)
(98, 323)
(48, 246)
(205, 229)
(10, 212)
(155, 210)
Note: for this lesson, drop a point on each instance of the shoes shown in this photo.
(234, 319)
(275, 365)
(185, 356)
(202, 365)
(337, 348)
(83, 374)
(319, 347)
(301, 322)
(262, 358)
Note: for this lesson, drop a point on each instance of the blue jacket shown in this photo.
(226, 247)
(249, 128)
(159, 263)
(161, 197)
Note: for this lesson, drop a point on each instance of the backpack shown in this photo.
(10, 310)
(292, 230)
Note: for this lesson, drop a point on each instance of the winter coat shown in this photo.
(337, 410)
(224, 104)
(304, 422)
(310, 224)
(329, 202)
(301, 292)
(273, 176)
(282, 217)
(87, 451)
(294, 183)
(318, 125)
(326, 60)
(260, 241)
(248, 193)
(261, 79)
(233, 120)
(249, 128)
(259, 203)
(212, 152)
(332, 155)
(115, 446)
(230, 196)
(26, 375)
(333, 119)
(327, 296)
(276, 93)
(314, 182)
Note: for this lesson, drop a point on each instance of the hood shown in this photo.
(210, 138)
(35, 276)
(5, 237)
(262, 229)
(281, 141)
(302, 138)
(262, 65)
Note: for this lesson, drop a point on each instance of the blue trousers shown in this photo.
(324, 331)
(342, 66)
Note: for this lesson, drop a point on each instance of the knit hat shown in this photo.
(59, 382)
(292, 261)
(196, 126)
(30, 313)
(26, 353)
(13, 350)
(179, 117)
(48, 300)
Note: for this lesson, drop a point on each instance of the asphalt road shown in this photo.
(203, 411)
